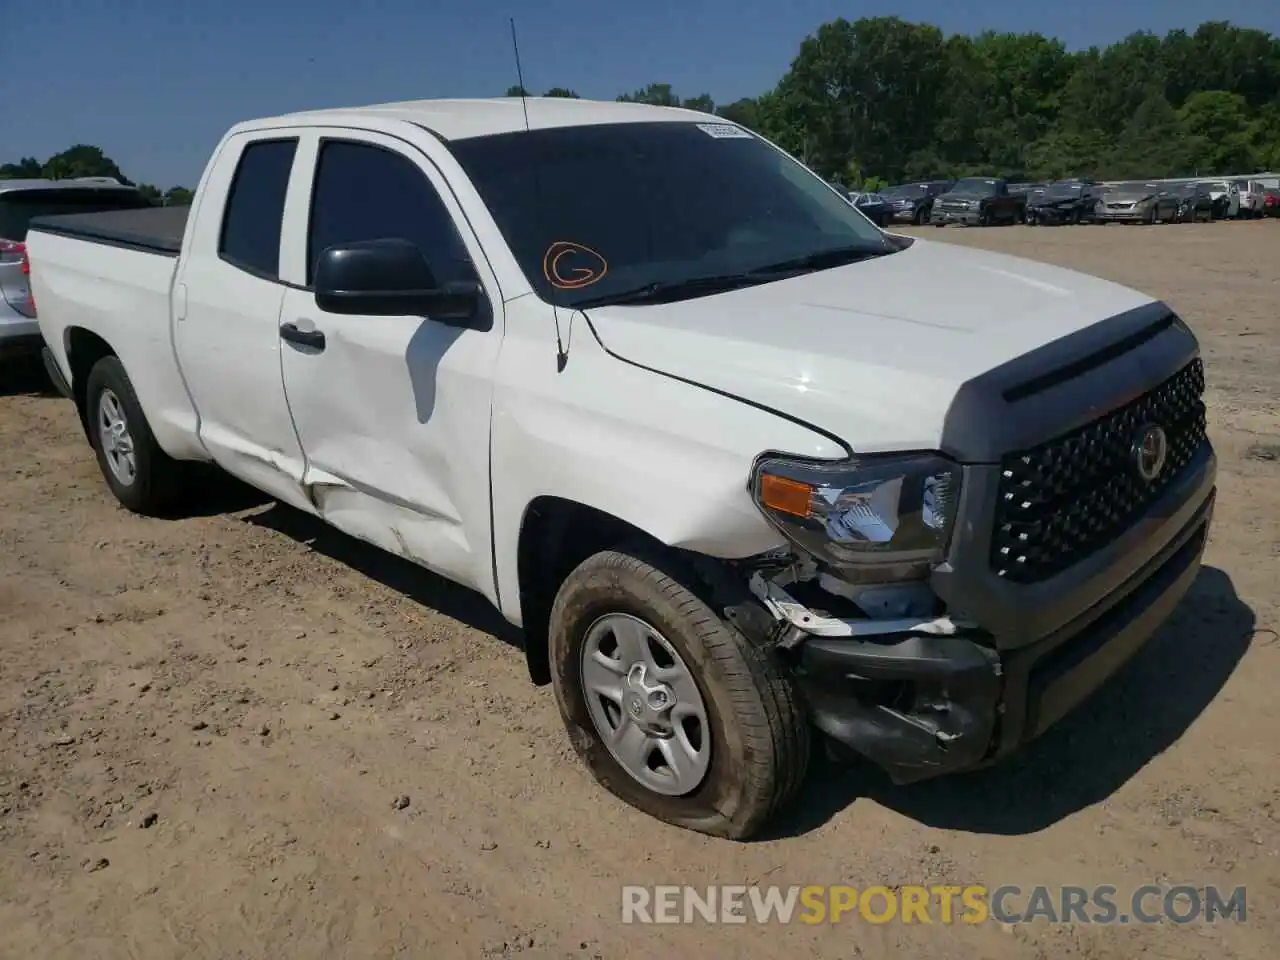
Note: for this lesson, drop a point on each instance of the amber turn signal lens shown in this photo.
(785, 495)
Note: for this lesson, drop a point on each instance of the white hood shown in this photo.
(872, 352)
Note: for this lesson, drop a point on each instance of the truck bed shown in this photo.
(154, 230)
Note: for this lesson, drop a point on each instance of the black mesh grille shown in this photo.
(1062, 500)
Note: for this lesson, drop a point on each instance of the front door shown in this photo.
(393, 412)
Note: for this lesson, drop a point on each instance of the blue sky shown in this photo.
(156, 82)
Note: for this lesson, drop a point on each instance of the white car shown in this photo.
(1252, 193)
(742, 466)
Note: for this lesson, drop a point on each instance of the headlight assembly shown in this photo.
(874, 519)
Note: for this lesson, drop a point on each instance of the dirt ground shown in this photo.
(238, 734)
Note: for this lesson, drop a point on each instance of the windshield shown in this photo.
(906, 191)
(17, 207)
(1064, 190)
(974, 187)
(594, 211)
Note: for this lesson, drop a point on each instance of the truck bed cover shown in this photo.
(154, 229)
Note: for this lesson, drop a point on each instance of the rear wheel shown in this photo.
(141, 475)
(672, 709)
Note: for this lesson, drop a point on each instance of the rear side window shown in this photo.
(365, 192)
(255, 207)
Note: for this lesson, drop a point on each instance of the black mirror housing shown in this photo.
(390, 278)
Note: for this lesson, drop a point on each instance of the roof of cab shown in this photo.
(461, 119)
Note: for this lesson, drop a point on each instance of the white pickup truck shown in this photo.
(741, 464)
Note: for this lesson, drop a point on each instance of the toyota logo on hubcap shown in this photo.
(1150, 450)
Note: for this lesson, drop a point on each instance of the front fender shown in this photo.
(667, 457)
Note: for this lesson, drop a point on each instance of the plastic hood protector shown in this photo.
(872, 352)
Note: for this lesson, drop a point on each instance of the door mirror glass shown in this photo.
(390, 278)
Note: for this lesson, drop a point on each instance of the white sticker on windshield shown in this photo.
(724, 131)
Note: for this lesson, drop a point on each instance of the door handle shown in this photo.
(304, 338)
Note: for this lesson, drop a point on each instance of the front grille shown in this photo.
(1064, 499)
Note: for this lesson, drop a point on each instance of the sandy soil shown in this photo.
(238, 734)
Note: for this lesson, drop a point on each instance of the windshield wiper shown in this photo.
(822, 260)
(665, 291)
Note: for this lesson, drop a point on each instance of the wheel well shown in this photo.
(84, 349)
(555, 537)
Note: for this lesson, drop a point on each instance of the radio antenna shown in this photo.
(524, 101)
(562, 357)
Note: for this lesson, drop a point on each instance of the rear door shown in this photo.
(227, 301)
(394, 412)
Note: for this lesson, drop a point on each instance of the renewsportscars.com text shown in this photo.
(947, 904)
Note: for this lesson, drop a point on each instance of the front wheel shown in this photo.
(672, 709)
(142, 476)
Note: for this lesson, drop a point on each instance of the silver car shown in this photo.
(1136, 202)
(20, 200)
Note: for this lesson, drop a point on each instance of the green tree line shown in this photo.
(883, 99)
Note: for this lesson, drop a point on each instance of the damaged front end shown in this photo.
(886, 671)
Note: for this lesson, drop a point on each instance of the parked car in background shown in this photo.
(872, 205)
(20, 200)
(978, 201)
(1195, 202)
(1226, 198)
(913, 202)
(875, 207)
(839, 517)
(1137, 202)
(1251, 197)
(1068, 201)
(1027, 190)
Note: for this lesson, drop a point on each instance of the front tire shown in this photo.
(672, 709)
(141, 476)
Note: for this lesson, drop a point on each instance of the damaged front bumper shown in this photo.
(917, 696)
(926, 696)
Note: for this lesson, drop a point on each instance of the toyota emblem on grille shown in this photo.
(1150, 450)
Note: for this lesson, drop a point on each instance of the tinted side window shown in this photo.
(255, 207)
(363, 192)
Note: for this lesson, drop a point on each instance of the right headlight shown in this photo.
(872, 519)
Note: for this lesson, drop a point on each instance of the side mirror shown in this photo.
(390, 278)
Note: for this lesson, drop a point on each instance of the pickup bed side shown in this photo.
(116, 299)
